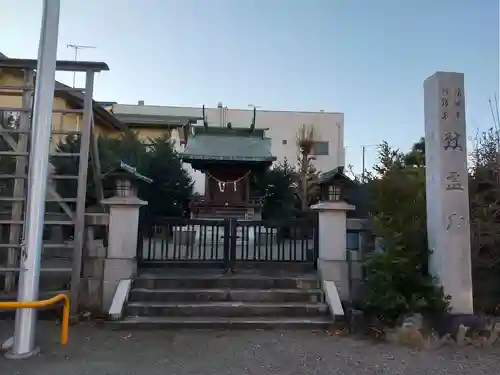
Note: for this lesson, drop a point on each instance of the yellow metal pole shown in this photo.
(38, 304)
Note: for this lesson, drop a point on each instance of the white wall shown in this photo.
(282, 125)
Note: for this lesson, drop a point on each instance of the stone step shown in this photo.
(314, 323)
(242, 295)
(226, 309)
(153, 281)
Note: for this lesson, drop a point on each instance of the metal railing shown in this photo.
(181, 241)
(288, 241)
(224, 242)
(39, 304)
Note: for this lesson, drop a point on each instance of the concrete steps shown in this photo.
(243, 295)
(226, 282)
(226, 309)
(145, 323)
(225, 301)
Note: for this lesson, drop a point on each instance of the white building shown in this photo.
(282, 126)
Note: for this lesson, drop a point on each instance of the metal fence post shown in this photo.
(227, 245)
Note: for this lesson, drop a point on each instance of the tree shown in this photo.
(289, 190)
(127, 148)
(484, 195)
(172, 186)
(307, 174)
(277, 188)
(168, 194)
(416, 156)
(398, 198)
(397, 280)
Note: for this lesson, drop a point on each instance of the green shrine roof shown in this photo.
(227, 144)
(122, 168)
(333, 175)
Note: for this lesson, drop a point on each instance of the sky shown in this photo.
(365, 58)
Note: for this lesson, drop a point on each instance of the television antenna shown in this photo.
(77, 47)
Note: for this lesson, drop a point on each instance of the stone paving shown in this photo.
(95, 351)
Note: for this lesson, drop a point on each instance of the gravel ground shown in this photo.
(95, 351)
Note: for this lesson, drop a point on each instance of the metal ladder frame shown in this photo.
(88, 147)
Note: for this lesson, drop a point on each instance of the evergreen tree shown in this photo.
(167, 195)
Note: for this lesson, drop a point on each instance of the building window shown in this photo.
(352, 241)
(320, 148)
(284, 141)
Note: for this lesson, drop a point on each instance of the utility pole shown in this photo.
(363, 161)
(363, 164)
(24, 337)
(77, 47)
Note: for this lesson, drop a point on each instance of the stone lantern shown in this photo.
(125, 179)
(333, 264)
(332, 185)
(120, 263)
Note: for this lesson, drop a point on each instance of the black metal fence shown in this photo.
(291, 241)
(183, 241)
(226, 242)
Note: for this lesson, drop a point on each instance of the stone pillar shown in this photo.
(332, 260)
(120, 262)
(447, 188)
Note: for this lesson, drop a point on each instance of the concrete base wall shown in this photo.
(336, 271)
(339, 272)
(115, 270)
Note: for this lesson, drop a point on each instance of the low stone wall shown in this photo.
(348, 273)
(91, 294)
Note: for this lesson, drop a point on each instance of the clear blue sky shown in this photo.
(365, 58)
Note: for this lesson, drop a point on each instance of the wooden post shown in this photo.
(82, 191)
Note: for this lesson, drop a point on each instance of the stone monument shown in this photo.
(448, 224)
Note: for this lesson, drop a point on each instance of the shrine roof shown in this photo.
(121, 168)
(227, 144)
(336, 174)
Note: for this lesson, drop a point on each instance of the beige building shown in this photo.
(105, 122)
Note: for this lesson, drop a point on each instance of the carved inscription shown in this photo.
(454, 182)
(458, 103)
(446, 111)
(452, 141)
(445, 103)
(456, 221)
